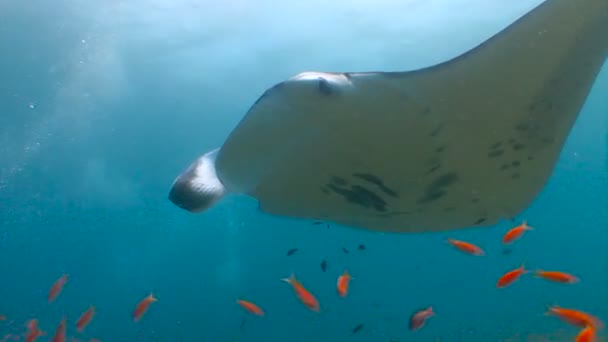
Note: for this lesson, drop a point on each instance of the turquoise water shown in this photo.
(102, 104)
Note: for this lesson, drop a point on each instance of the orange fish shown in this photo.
(556, 276)
(252, 308)
(343, 283)
(85, 319)
(2, 318)
(33, 335)
(57, 287)
(575, 317)
(143, 306)
(307, 298)
(466, 247)
(418, 319)
(586, 335)
(60, 332)
(32, 324)
(510, 277)
(33, 332)
(515, 233)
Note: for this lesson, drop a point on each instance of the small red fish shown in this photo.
(510, 277)
(418, 319)
(587, 335)
(556, 276)
(575, 317)
(143, 306)
(32, 324)
(60, 334)
(85, 319)
(307, 298)
(33, 335)
(57, 287)
(515, 233)
(2, 318)
(343, 284)
(466, 247)
(33, 332)
(252, 308)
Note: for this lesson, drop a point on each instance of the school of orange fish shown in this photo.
(588, 323)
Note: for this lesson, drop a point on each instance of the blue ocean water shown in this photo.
(103, 103)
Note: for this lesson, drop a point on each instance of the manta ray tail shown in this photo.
(198, 187)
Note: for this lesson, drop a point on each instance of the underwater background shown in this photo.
(103, 103)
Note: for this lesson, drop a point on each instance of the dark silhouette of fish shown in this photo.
(507, 251)
(242, 324)
(345, 250)
(358, 328)
(292, 251)
(361, 247)
(324, 265)
(316, 223)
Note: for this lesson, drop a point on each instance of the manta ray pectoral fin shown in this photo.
(198, 187)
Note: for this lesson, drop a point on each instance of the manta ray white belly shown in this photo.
(463, 143)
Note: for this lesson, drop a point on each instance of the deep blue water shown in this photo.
(103, 103)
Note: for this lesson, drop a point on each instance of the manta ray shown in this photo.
(464, 143)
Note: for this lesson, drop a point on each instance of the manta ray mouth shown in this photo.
(198, 187)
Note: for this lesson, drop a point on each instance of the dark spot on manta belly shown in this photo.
(496, 145)
(445, 180)
(360, 196)
(436, 130)
(496, 153)
(480, 220)
(505, 167)
(432, 161)
(433, 169)
(515, 176)
(436, 189)
(515, 163)
(378, 182)
(440, 149)
(369, 177)
(431, 196)
(518, 146)
(338, 181)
